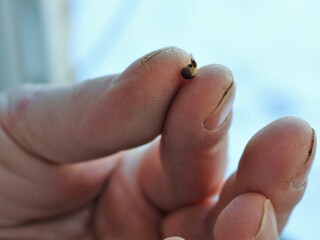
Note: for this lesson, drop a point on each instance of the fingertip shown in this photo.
(202, 108)
(288, 127)
(248, 216)
(284, 147)
(276, 163)
(159, 64)
(218, 71)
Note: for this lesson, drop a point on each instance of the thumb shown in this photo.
(97, 117)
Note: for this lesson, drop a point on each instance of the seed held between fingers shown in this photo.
(190, 70)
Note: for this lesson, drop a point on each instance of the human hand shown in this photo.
(66, 171)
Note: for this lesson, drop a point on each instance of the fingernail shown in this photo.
(222, 110)
(300, 178)
(151, 55)
(268, 226)
(144, 62)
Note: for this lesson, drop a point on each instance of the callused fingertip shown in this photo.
(189, 71)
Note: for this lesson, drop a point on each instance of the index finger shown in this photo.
(98, 117)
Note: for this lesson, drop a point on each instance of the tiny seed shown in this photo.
(186, 72)
(190, 70)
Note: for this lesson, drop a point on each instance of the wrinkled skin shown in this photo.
(70, 166)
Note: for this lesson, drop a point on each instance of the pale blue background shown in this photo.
(272, 47)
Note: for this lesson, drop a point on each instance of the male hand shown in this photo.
(69, 170)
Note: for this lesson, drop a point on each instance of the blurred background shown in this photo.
(272, 47)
